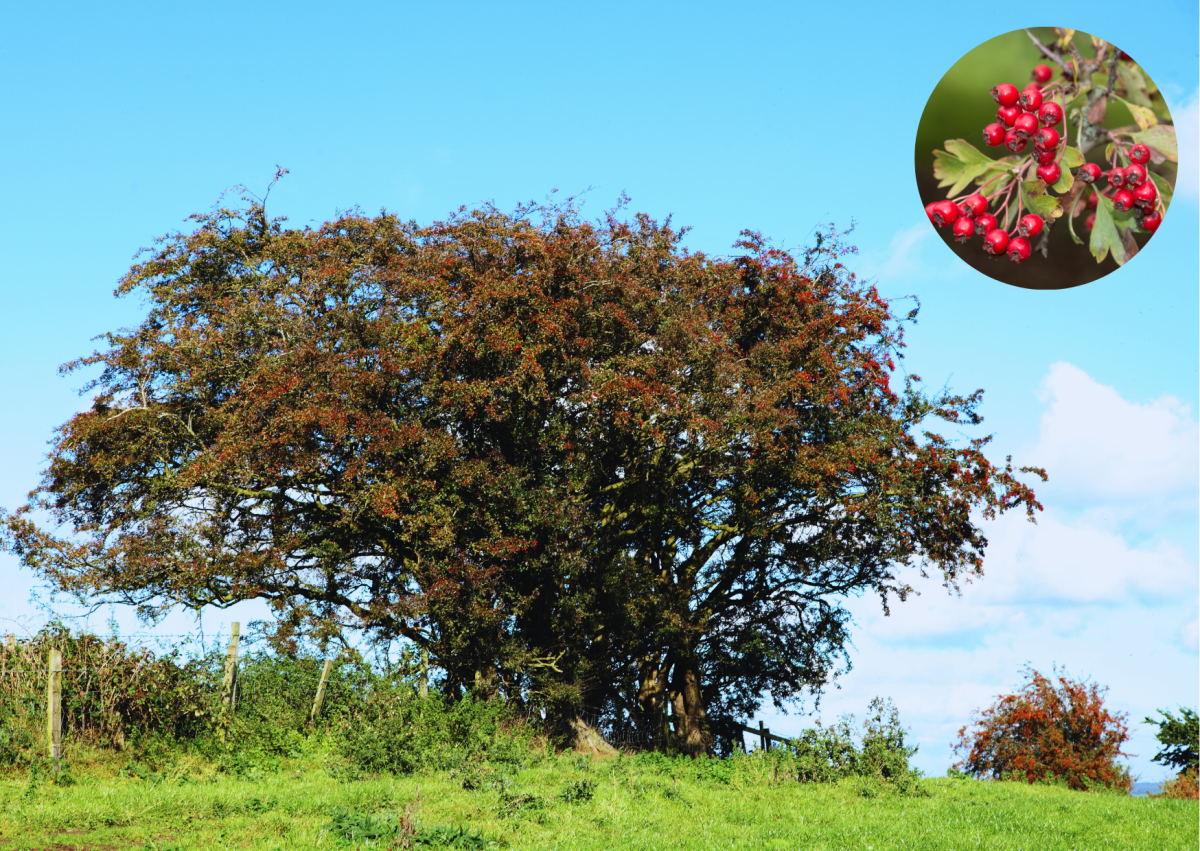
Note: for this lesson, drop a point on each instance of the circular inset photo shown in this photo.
(1046, 158)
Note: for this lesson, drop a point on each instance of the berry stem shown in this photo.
(1047, 52)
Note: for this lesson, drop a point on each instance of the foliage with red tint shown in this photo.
(573, 460)
(1048, 731)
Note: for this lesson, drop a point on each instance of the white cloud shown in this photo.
(903, 255)
(1110, 605)
(1100, 449)
(1187, 129)
(1189, 635)
(1065, 562)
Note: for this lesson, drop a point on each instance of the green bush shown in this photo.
(396, 731)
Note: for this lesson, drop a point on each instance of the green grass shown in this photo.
(569, 802)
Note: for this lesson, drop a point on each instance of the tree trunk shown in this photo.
(587, 739)
(652, 699)
(692, 725)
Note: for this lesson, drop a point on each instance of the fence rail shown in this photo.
(616, 731)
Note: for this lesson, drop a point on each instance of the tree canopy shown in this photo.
(578, 463)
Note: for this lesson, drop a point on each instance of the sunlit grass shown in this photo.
(569, 802)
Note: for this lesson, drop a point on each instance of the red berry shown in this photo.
(1125, 56)
(975, 204)
(1046, 139)
(1093, 199)
(1025, 125)
(1014, 141)
(929, 211)
(1089, 173)
(1090, 221)
(1117, 177)
(985, 223)
(1042, 73)
(1135, 174)
(1008, 114)
(1005, 95)
(964, 228)
(944, 213)
(1151, 222)
(995, 242)
(1043, 157)
(1050, 172)
(1139, 154)
(1145, 194)
(1123, 200)
(1031, 99)
(1050, 114)
(1030, 225)
(993, 134)
(1019, 250)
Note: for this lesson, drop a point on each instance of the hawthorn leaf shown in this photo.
(1135, 85)
(1035, 199)
(1071, 158)
(1164, 187)
(1065, 180)
(1108, 152)
(967, 152)
(1105, 236)
(1033, 188)
(1071, 229)
(1144, 116)
(953, 172)
(1160, 138)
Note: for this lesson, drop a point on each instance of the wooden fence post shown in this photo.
(762, 736)
(424, 672)
(54, 706)
(316, 710)
(227, 684)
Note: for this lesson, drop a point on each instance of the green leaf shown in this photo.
(1108, 152)
(1071, 158)
(1144, 116)
(961, 163)
(1105, 236)
(1164, 187)
(1065, 180)
(1135, 84)
(1160, 138)
(1071, 229)
(967, 152)
(1032, 188)
(955, 173)
(1035, 199)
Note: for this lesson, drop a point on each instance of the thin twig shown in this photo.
(1112, 72)
(1048, 53)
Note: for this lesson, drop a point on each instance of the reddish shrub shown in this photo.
(1183, 785)
(1048, 732)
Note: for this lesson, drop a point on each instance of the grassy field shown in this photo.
(568, 802)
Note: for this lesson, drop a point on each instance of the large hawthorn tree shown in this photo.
(576, 462)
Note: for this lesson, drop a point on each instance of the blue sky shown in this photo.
(122, 120)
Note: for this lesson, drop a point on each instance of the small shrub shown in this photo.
(581, 791)
(1181, 787)
(1048, 732)
(397, 732)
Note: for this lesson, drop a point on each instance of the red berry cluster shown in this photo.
(1033, 116)
(1023, 117)
(1130, 188)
